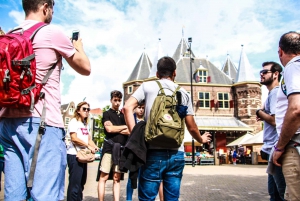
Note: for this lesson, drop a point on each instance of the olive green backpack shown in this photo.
(164, 127)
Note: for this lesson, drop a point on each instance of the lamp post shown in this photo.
(193, 144)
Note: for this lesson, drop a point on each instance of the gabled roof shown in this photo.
(183, 73)
(229, 68)
(181, 50)
(142, 69)
(64, 106)
(245, 70)
(157, 56)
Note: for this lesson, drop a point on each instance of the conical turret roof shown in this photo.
(157, 56)
(229, 68)
(142, 69)
(181, 50)
(245, 70)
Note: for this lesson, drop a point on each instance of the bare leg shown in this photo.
(161, 191)
(116, 186)
(101, 185)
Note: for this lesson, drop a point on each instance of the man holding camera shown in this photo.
(19, 127)
(270, 77)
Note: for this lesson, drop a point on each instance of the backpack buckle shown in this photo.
(42, 127)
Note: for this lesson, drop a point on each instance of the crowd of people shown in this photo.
(162, 172)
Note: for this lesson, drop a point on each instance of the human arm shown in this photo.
(78, 142)
(289, 127)
(267, 113)
(79, 60)
(92, 146)
(194, 131)
(110, 128)
(128, 108)
(262, 115)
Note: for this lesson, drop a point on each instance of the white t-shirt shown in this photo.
(82, 133)
(290, 84)
(149, 91)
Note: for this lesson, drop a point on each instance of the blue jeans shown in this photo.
(166, 165)
(276, 184)
(77, 178)
(129, 190)
(18, 135)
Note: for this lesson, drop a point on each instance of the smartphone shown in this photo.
(75, 35)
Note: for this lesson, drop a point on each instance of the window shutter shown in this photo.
(231, 103)
(212, 103)
(208, 79)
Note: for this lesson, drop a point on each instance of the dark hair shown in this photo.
(33, 5)
(115, 93)
(141, 103)
(165, 67)
(275, 67)
(76, 115)
(290, 42)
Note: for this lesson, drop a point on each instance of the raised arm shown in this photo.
(79, 61)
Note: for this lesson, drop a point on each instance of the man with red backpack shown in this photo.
(19, 127)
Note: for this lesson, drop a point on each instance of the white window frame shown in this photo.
(67, 120)
(224, 102)
(204, 99)
(71, 110)
(202, 77)
(130, 89)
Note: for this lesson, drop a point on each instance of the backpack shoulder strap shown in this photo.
(33, 30)
(177, 89)
(160, 87)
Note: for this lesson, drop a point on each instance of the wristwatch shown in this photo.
(257, 111)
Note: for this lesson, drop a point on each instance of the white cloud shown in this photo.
(115, 33)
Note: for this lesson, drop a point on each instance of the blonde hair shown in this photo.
(76, 114)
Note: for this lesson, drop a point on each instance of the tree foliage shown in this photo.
(99, 132)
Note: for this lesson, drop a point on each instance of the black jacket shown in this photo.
(135, 152)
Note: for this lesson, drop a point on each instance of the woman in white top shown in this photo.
(78, 131)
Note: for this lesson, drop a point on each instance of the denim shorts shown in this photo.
(161, 165)
(18, 136)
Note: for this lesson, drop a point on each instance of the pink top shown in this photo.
(50, 44)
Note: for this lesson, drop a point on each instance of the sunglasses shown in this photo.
(86, 109)
(265, 71)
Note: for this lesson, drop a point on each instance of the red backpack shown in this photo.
(18, 88)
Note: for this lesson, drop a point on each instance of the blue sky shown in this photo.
(115, 33)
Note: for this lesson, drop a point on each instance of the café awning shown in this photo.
(241, 140)
(207, 123)
(257, 139)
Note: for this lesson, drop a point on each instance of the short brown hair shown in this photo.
(166, 67)
(116, 93)
(33, 5)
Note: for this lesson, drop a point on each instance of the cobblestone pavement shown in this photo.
(199, 183)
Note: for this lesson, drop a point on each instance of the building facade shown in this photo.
(224, 100)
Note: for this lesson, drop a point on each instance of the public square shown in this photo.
(199, 183)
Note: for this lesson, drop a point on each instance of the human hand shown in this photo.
(258, 118)
(78, 44)
(206, 137)
(276, 156)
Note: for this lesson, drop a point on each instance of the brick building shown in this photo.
(224, 100)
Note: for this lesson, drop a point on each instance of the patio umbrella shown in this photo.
(240, 140)
(257, 139)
